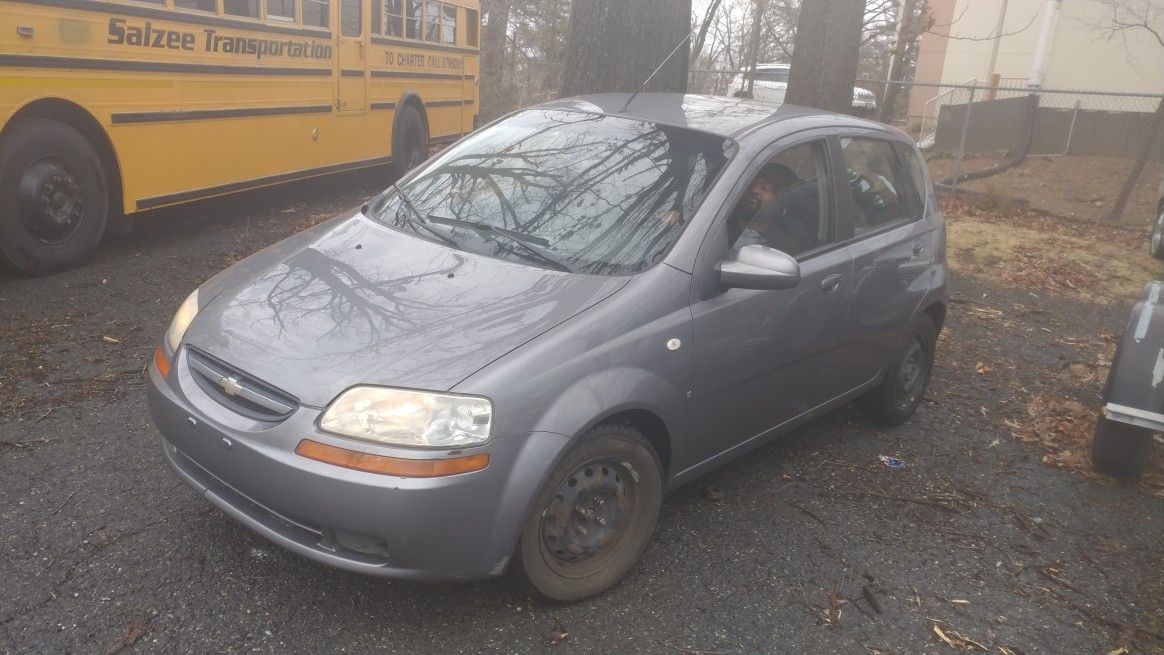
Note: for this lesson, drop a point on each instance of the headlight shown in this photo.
(409, 418)
(182, 318)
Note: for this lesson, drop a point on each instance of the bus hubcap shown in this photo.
(51, 202)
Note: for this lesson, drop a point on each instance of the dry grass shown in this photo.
(1092, 262)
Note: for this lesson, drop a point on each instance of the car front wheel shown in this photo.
(593, 517)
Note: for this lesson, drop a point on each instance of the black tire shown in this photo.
(1156, 245)
(409, 140)
(906, 379)
(1120, 450)
(593, 517)
(54, 197)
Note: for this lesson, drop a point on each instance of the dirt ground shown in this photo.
(1070, 186)
(995, 536)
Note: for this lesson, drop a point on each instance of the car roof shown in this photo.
(729, 117)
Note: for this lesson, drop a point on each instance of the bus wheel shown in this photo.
(59, 197)
(409, 141)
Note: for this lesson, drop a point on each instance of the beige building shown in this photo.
(1062, 44)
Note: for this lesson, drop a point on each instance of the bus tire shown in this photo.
(409, 140)
(59, 197)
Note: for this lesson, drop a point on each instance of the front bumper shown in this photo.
(454, 527)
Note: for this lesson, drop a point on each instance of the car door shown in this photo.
(765, 357)
(893, 247)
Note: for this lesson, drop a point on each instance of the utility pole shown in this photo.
(998, 30)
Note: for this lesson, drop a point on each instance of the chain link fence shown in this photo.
(1066, 152)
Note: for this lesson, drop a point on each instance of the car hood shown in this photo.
(355, 302)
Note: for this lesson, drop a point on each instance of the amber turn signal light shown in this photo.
(161, 362)
(408, 468)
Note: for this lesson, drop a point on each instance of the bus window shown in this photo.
(471, 27)
(249, 8)
(393, 24)
(412, 19)
(315, 13)
(281, 10)
(432, 20)
(350, 18)
(200, 5)
(449, 24)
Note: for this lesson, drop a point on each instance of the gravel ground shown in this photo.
(815, 545)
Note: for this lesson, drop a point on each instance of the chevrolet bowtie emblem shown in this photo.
(230, 386)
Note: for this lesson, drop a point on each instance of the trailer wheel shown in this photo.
(56, 199)
(1157, 245)
(1120, 450)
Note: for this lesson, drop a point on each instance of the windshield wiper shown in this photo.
(531, 243)
(418, 219)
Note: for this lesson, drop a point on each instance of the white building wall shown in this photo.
(1081, 56)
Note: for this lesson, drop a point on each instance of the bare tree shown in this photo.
(493, 40)
(614, 45)
(1124, 18)
(824, 59)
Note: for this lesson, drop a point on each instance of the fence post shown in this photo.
(962, 140)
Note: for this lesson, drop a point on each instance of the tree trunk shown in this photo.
(1151, 145)
(824, 57)
(701, 38)
(493, 59)
(754, 47)
(906, 33)
(614, 45)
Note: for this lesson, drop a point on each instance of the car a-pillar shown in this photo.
(409, 135)
(59, 182)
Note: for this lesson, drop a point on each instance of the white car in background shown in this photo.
(772, 83)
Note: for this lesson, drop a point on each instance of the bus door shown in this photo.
(351, 57)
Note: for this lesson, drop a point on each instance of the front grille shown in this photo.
(238, 391)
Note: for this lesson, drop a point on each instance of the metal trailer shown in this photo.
(1133, 398)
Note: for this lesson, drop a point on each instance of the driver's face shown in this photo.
(759, 195)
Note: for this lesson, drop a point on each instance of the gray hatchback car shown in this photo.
(505, 360)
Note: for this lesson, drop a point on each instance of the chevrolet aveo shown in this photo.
(505, 360)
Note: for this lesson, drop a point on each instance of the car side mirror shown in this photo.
(759, 267)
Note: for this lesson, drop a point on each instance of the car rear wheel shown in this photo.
(906, 379)
(1157, 245)
(1120, 450)
(55, 197)
(593, 517)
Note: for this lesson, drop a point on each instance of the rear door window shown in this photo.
(883, 194)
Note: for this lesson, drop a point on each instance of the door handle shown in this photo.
(831, 283)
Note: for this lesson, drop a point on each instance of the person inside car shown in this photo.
(778, 211)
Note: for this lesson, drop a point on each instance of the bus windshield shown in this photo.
(595, 194)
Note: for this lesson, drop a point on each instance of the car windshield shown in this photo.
(566, 190)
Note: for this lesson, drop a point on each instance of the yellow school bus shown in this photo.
(110, 107)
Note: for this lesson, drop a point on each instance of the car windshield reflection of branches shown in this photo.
(608, 195)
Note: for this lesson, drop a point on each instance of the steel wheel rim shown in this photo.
(913, 372)
(588, 517)
(50, 201)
